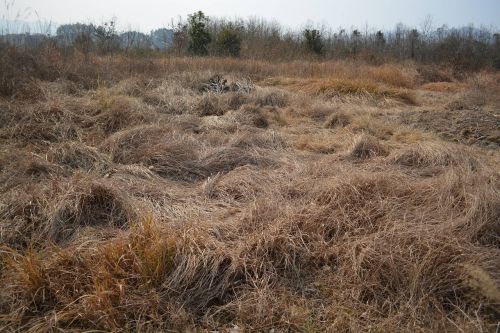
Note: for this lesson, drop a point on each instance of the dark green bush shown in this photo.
(229, 43)
(313, 41)
(199, 37)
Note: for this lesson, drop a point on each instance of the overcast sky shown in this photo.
(145, 15)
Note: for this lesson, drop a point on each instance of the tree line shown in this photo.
(466, 48)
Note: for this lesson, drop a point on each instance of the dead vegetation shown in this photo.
(366, 146)
(302, 197)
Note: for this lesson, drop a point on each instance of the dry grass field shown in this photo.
(306, 197)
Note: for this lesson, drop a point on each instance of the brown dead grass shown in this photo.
(302, 205)
(366, 146)
(334, 87)
(89, 203)
(444, 86)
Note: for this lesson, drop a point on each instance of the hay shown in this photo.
(225, 159)
(164, 152)
(337, 119)
(242, 184)
(77, 155)
(431, 154)
(89, 203)
(366, 146)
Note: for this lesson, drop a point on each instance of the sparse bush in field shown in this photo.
(229, 42)
(199, 37)
(313, 41)
(84, 43)
(180, 38)
(18, 70)
(496, 62)
(107, 37)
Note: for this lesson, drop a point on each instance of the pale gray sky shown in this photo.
(148, 14)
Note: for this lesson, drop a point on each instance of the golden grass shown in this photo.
(345, 86)
(444, 86)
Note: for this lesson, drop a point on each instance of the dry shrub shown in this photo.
(366, 146)
(77, 155)
(89, 203)
(338, 119)
(19, 71)
(357, 244)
